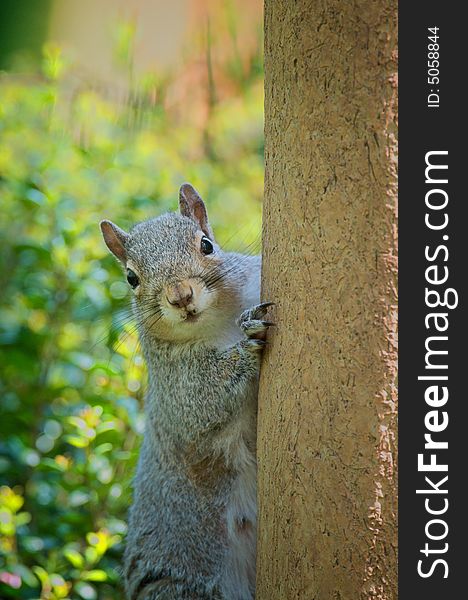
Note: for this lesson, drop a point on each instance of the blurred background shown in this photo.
(105, 109)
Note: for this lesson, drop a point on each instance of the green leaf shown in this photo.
(91, 555)
(86, 591)
(42, 575)
(22, 518)
(103, 448)
(107, 426)
(74, 557)
(52, 464)
(76, 441)
(94, 575)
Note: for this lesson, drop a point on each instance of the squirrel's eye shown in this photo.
(132, 278)
(206, 246)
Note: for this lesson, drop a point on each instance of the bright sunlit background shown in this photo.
(105, 109)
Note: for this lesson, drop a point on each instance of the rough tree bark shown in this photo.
(327, 406)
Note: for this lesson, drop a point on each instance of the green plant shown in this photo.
(71, 375)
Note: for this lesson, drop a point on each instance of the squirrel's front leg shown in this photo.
(236, 369)
(241, 363)
(252, 323)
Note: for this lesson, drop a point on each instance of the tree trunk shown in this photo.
(327, 406)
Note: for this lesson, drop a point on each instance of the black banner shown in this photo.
(432, 302)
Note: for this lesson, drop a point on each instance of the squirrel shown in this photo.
(192, 523)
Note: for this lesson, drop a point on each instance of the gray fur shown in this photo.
(191, 531)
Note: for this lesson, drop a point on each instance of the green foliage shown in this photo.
(72, 378)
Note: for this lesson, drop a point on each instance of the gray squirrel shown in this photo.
(192, 524)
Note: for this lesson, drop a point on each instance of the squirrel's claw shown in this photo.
(266, 304)
(255, 313)
(260, 310)
(255, 344)
(255, 327)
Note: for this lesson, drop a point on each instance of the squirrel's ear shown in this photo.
(192, 206)
(115, 239)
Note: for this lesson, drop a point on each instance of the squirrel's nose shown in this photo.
(180, 295)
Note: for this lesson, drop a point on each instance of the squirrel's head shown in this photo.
(176, 271)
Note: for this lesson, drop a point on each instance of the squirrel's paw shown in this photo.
(252, 323)
(254, 345)
(255, 328)
(255, 313)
